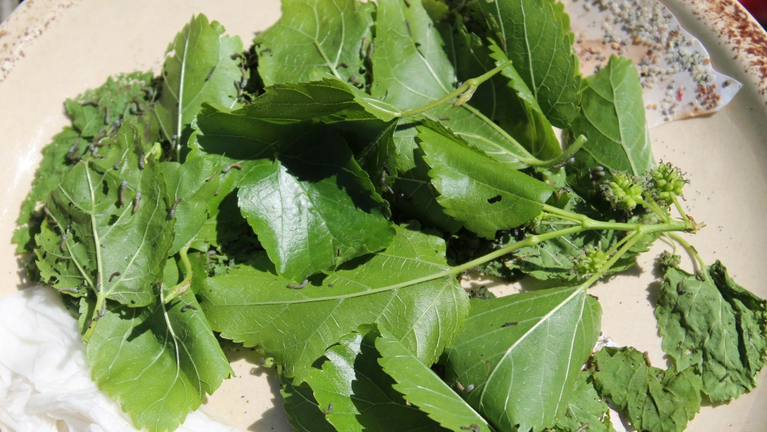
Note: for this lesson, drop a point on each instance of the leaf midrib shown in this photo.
(544, 318)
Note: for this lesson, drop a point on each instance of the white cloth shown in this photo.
(45, 383)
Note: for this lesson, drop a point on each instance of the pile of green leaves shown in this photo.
(318, 196)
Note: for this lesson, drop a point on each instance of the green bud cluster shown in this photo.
(666, 182)
(623, 191)
(590, 261)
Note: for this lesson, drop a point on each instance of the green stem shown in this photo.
(697, 259)
(565, 156)
(679, 209)
(468, 86)
(177, 290)
(527, 242)
(639, 231)
(652, 205)
(617, 245)
(100, 304)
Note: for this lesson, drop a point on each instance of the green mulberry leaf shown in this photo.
(199, 67)
(654, 400)
(191, 187)
(158, 362)
(412, 70)
(315, 37)
(480, 192)
(356, 394)
(113, 223)
(303, 410)
(612, 118)
(423, 388)
(715, 327)
(328, 99)
(314, 208)
(119, 98)
(535, 34)
(252, 305)
(513, 350)
(585, 408)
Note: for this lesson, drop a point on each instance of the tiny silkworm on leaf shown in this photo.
(136, 202)
(329, 409)
(230, 166)
(123, 186)
(172, 212)
(210, 74)
(298, 286)
(113, 275)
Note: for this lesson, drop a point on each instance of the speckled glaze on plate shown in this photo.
(51, 50)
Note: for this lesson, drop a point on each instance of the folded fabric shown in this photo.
(45, 382)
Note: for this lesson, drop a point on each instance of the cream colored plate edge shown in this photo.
(51, 50)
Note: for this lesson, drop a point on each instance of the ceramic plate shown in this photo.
(51, 50)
